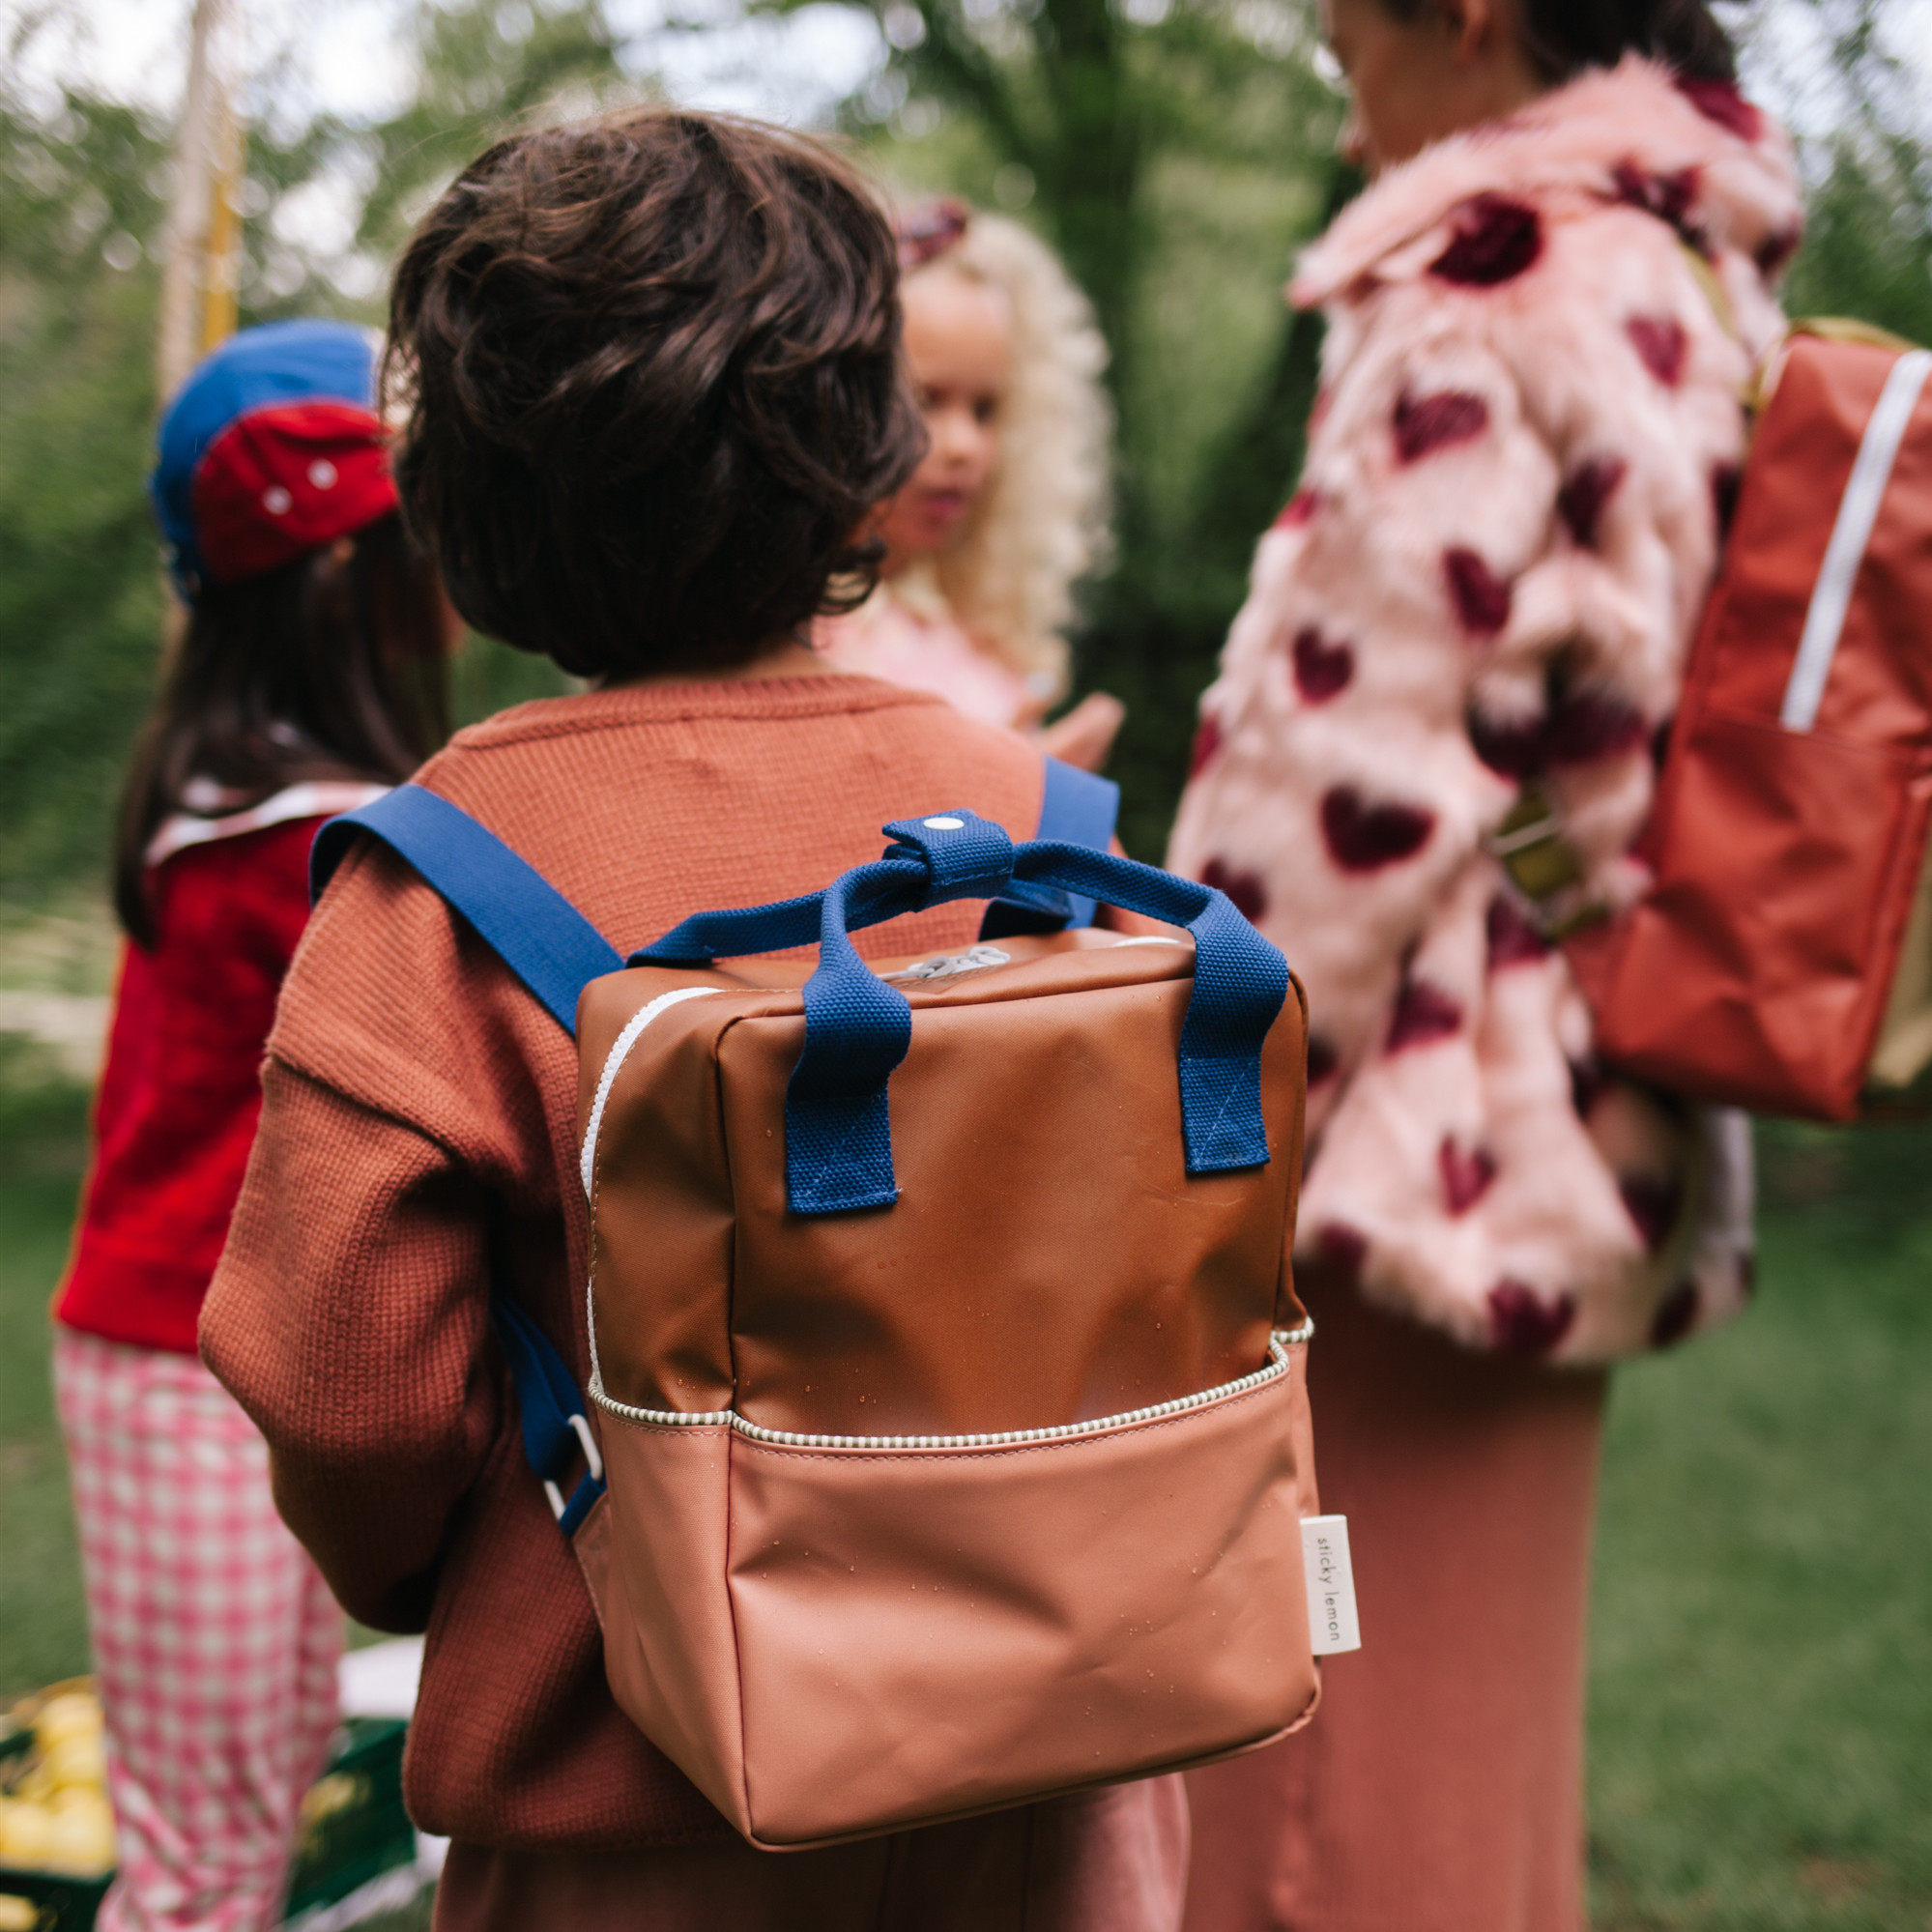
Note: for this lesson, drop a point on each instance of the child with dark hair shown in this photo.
(310, 679)
(651, 364)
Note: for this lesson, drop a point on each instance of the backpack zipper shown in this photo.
(1278, 1366)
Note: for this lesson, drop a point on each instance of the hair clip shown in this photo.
(926, 232)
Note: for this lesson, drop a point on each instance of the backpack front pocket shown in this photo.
(835, 1636)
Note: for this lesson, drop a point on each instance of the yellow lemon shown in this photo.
(331, 1794)
(80, 1839)
(17, 1913)
(80, 1759)
(72, 1714)
(24, 1830)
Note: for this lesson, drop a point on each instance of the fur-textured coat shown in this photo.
(1528, 431)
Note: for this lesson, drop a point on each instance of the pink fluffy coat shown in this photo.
(1509, 522)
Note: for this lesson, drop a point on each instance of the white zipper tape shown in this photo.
(1851, 533)
(1279, 1365)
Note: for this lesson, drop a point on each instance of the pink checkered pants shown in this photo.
(214, 1637)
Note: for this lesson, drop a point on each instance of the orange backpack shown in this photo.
(1782, 961)
(947, 1446)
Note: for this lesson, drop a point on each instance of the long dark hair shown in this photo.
(1564, 36)
(332, 666)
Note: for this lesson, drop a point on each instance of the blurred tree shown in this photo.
(1868, 242)
(480, 68)
(82, 185)
(81, 604)
(1174, 152)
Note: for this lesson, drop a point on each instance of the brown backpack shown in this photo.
(957, 1454)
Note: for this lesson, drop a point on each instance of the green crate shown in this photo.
(66, 1904)
(354, 1827)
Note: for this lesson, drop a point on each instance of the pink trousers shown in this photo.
(214, 1637)
(1439, 1788)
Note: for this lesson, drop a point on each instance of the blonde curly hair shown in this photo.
(1042, 523)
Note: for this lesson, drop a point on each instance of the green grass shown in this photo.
(1761, 1681)
(412, 1918)
(42, 1148)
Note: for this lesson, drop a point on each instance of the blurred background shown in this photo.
(1761, 1684)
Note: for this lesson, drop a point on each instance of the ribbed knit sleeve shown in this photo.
(347, 1323)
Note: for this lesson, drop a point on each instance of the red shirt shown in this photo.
(180, 1092)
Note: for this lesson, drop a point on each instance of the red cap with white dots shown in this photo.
(285, 480)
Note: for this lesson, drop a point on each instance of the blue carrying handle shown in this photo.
(838, 1140)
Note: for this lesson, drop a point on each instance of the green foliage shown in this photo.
(1868, 236)
(1176, 156)
(81, 602)
(1868, 246)
(482, 69)
(485, 68)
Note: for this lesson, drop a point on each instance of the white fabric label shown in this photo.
(1332, 1621)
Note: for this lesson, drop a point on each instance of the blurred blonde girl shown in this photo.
(1008, 508)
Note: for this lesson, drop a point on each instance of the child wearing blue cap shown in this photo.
(309, 677)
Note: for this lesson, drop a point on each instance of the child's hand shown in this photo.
(1085, 734)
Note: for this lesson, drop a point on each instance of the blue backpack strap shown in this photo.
(555, 952)
(555, 1432)
(1076, 808)
(530, 925)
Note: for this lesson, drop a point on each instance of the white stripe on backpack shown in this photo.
(1858, 512)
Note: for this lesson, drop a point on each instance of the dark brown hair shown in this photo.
(330, 667)
(652, 367)
(1564, 36)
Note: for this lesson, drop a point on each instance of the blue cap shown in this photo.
(258, 369)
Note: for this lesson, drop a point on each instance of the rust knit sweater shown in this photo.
(417, 1138)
